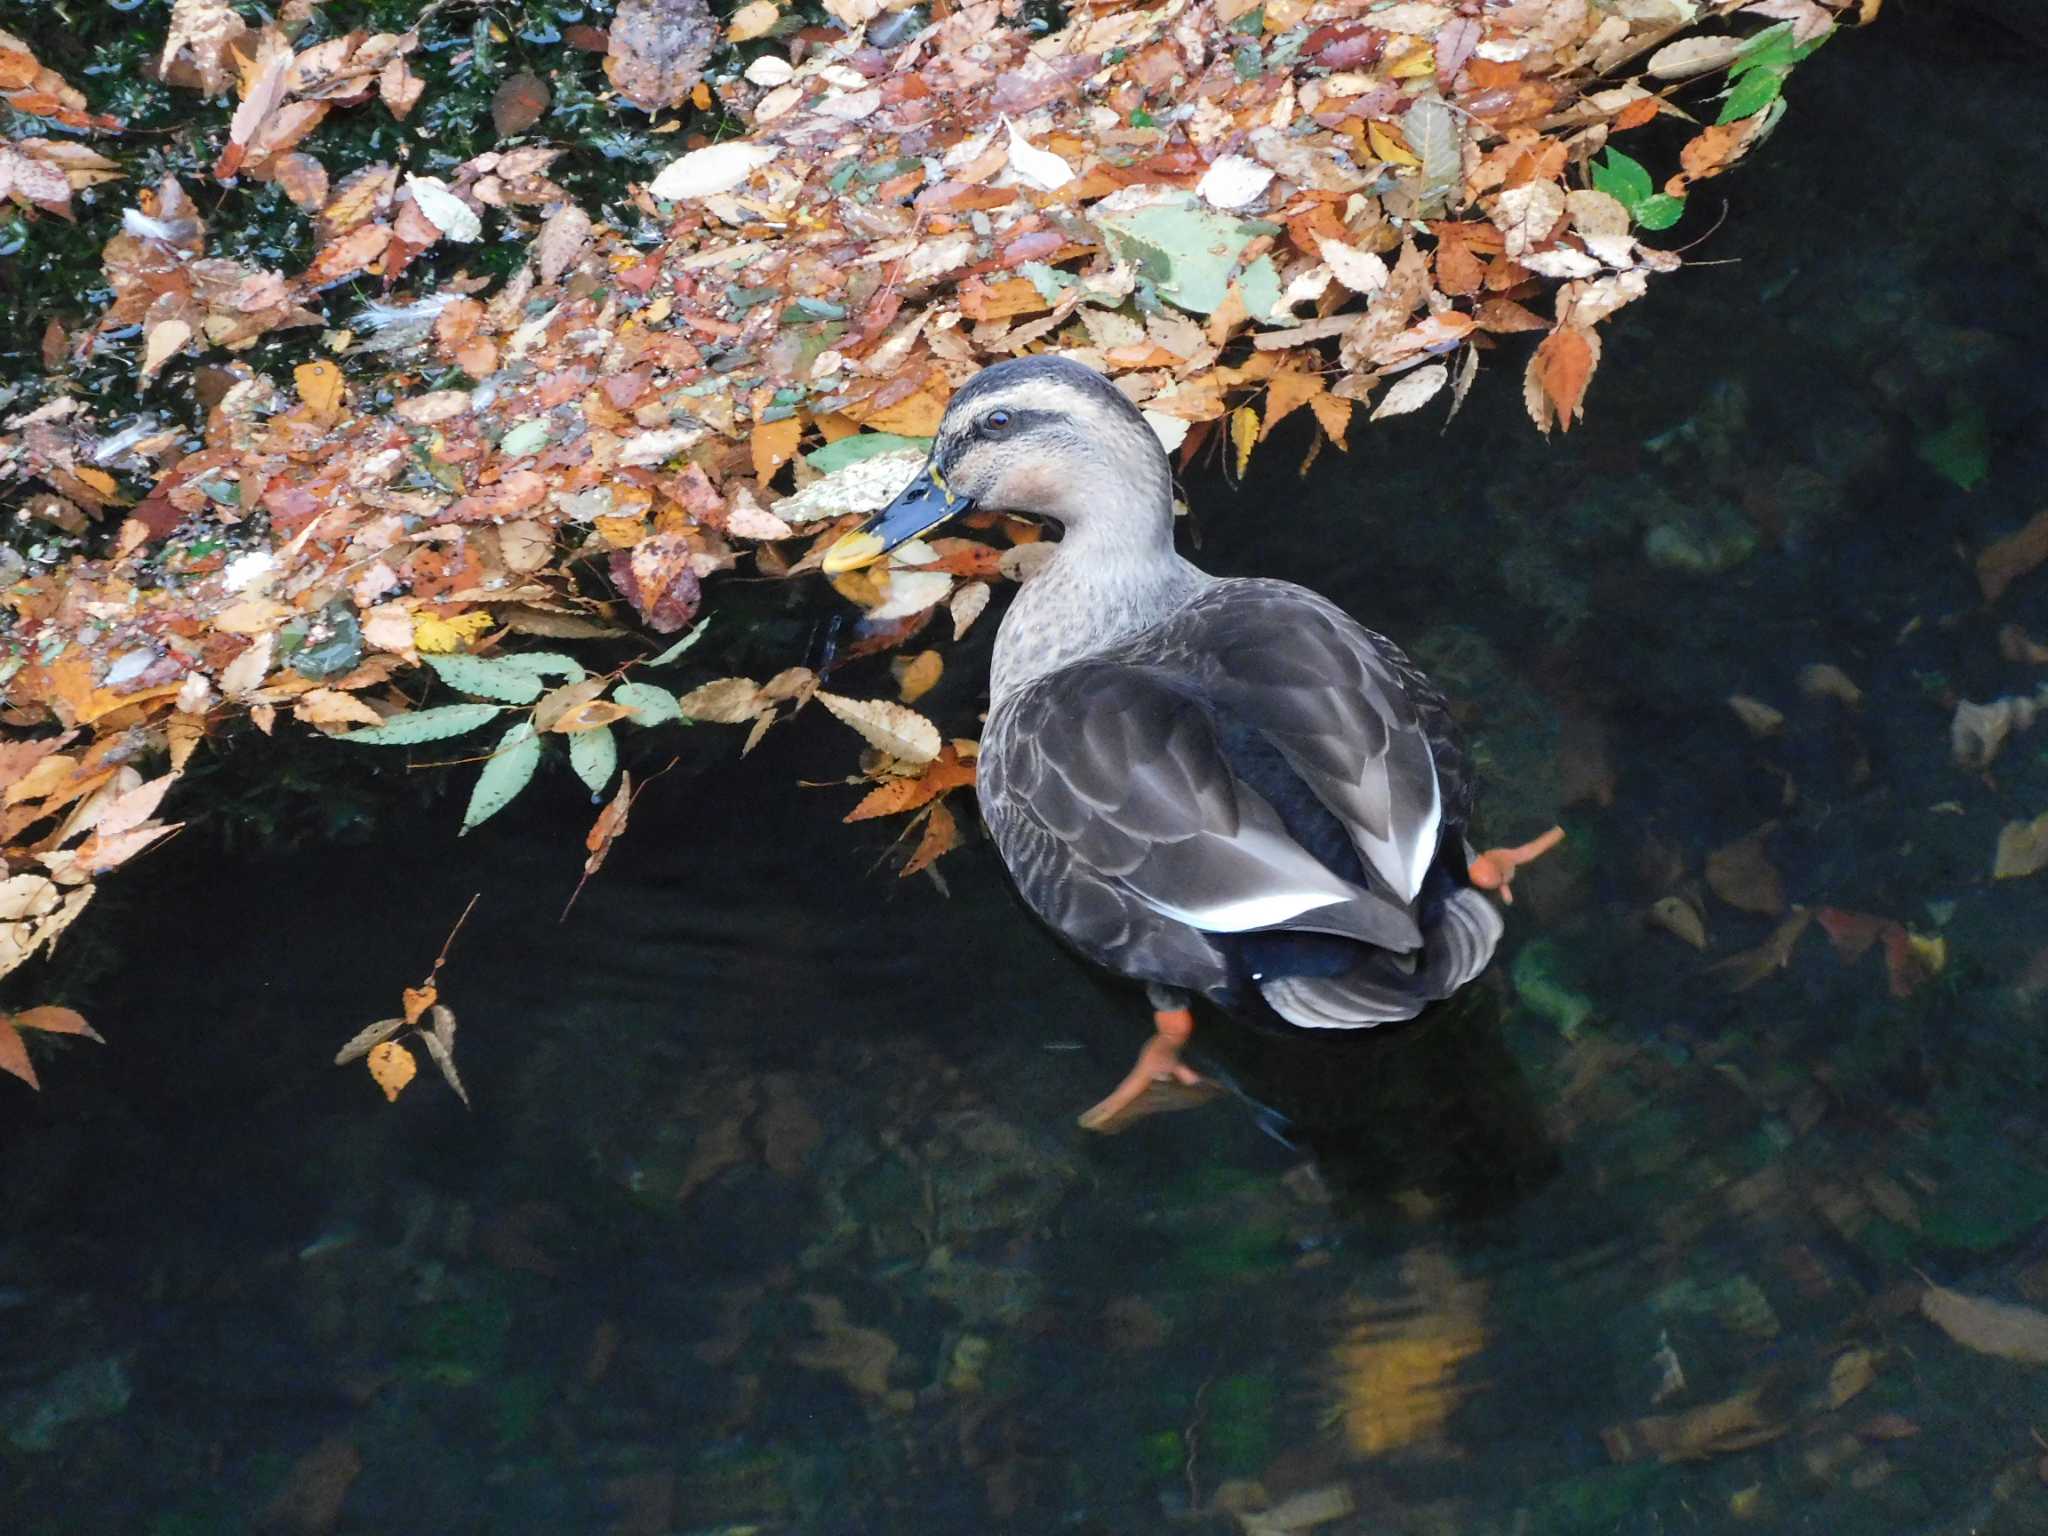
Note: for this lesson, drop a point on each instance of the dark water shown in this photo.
(772, 1215)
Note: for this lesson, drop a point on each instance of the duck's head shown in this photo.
(1039, 435)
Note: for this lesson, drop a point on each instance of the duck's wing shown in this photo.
(1354, 718)
(1119, 814)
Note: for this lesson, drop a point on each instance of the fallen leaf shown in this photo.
(916, 675)
(2022, 849)
(2004, 561)
(941, 835)
(728, 701)
(320, 386)
(1741, 874)
(1757, 717)
(890, 728)
(519, 103)
(392, 1067)
(657, 51)
(2000, 1328)
(1679, 918)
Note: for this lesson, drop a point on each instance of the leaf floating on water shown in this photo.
(729, 701)
(392, 1067)
(1999, 1328)
(1757, 717)
(2004, 561)
(1824, 681)
(444, 210)
(916, 675)
(941, 837)
(14, 1058)
(423, 725)
(519, 103)
(890, 728)
(1413, 392)
(509, 770)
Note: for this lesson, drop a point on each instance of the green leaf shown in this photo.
(546, 664)
(1774, 49)
(697, 634)
(1960, 451)
(424, 725)
(488, 677)
(650, 705)
(527, 437)
(595, 757)
(1623, 179)
(1755, 91)
(1660, 210)
(509, 771)
(1190, 253)
(861, 445)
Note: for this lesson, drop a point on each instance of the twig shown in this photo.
(1192, 1435)
(442, 958)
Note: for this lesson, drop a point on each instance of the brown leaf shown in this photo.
(658, 50)
(1742, 875)
(1559, 371)
(520, 102)
(1989, 1327)
(916, 675)
(1743, 971)
(1733, 1424)
(2004, 561)
(14, 1056)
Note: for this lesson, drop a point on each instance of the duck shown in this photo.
(1222, 787)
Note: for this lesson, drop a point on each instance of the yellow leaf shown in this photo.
(98, 479)
(1418, 61)
(621, 532)
(165, 340)
(440, 637)
(1388, 144)
(917, 416)
(391, 1064)
(319, 386)
(916, 675)
(774, 444)
(1244, 431)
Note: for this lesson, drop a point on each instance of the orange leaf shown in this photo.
(941, 836)
(917, 675)
(14, 1057)
(56, 1021)
(1560, 368)
(1333, 412)
(774, 445)
(1852, 933)
(418, 1000)
(1635, 114)
(944, 772)
(392, 1065)
(320, 386)
(1287, 393)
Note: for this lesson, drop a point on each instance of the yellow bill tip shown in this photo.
(853, 551)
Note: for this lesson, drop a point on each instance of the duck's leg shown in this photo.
(1494, 870)
(1159, 1061)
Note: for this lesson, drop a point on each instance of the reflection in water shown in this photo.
(771, 1213)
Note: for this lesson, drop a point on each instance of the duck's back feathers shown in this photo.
(1252, 792)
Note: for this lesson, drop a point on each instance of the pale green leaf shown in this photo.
(697, 634)
(1190, 254)
(861, 445)
(527, 437)
(509, 771)
(488, 677)
(595, 757)
(424, 725)
(650, 705)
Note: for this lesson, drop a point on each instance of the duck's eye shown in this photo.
(996, 421)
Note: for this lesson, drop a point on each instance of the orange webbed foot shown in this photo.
(1494, 870)
(1158, 1062)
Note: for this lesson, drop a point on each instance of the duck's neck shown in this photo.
(1098, 590)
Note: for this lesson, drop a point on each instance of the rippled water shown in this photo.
(772, 1214)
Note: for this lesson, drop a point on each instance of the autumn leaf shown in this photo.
(941, 835)
(2000, 1328)
(1244, 432)
(1558, 374)
(392, 1067)
(890, 728)
(916, 675)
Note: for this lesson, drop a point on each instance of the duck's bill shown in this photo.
(925, 503)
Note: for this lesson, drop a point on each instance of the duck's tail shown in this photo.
(1458, 939)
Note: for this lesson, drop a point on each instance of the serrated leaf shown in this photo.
(1659, 211)
(650, 705)
(861, 445)
(595, 757)
(510, 770)
(680, 646)
(488, 677)
(902, 733)
(1751, 94)
(423, 725)
(546, 664)
(1622, 178)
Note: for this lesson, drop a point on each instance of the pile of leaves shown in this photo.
(562, 425)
